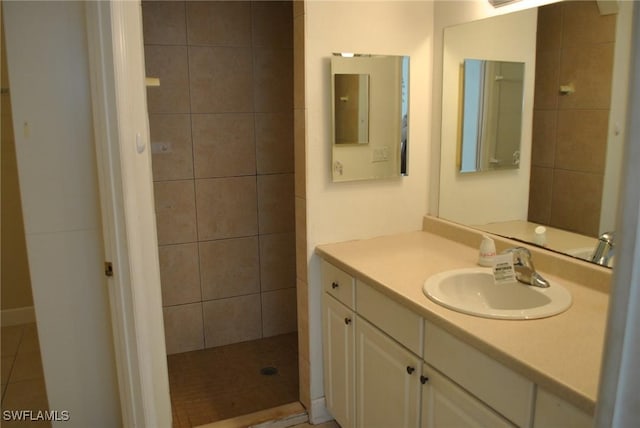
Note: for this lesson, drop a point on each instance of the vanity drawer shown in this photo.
(339, 284)
(496, 385)
(389, 316)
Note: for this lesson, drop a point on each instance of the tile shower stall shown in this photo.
(221, 125)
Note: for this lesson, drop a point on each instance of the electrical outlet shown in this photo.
(381, 154)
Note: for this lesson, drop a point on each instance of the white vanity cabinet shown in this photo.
(552, 411)
(338, 330)
(388, 380)
(385, 366)
(445, 404)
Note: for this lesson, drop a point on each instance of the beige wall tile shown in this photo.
(544, 138)
(175, 211)
(169, 63)
(277, 261)
(272, 24)
(589, 68)
(541, 186)
(583, 24)
(274, 142)
(183, 328)
(10, 337)
(298, 61)
(549, 34)
(302, 307)
(219, 23)
(273, 77)
(304, 375)
(224, 145)
(298, 8)
(301, 238)
(221, 79)
(276, 203)
(576, 201)
(232, 320)
(30, 394)
(547, 79)
(227, 207)
(582, 140)
(172, 157)
(179, 274)
(230, 267)
(163, 22)
(299, 153)
(279, 312)
(27, 366)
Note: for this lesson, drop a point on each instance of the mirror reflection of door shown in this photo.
(492, 115)
(351, 108)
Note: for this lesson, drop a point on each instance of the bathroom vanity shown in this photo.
(392, 357)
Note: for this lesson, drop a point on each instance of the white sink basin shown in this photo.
(473, 291)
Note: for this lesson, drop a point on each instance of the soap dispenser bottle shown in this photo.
(487, 251)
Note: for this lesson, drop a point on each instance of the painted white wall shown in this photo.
(617, 119)
(355, 210)
(494, 195)
(49, 80)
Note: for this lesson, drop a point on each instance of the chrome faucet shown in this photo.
(604, 251)
(525, 271)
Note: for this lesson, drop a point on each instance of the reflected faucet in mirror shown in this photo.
(604, 251)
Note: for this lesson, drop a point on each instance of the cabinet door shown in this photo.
(339, 359)
(446, 405)
(388, 380)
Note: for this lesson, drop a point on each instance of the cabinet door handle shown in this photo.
(424, 379)
(410, 369)
(335, 285)
(347, 321)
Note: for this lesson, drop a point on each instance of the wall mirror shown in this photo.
(370, 114)
(491, 124)
(576, 68)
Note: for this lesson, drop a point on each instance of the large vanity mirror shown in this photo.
(574, 88)
(370, 113)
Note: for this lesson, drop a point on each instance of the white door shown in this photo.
(126, 191)
(339, 359)
(387, 379)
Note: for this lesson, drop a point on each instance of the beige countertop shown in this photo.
(561, 354)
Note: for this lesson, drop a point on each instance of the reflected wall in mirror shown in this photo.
(573, 134)
(370, 113)
(351, 107)
(491, 115)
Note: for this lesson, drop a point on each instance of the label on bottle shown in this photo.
(503, 270)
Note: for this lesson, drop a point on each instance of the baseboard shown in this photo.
(319, 413)
(24, 315)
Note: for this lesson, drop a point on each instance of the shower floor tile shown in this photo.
(224, 382)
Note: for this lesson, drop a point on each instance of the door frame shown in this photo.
(121, 130)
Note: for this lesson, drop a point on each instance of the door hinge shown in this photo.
(108, 268)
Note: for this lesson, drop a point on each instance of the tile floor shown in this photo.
(22, 376)
(224, 382)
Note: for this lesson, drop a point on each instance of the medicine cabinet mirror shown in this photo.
(370, 114)
(572, 124)
(491, 125)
